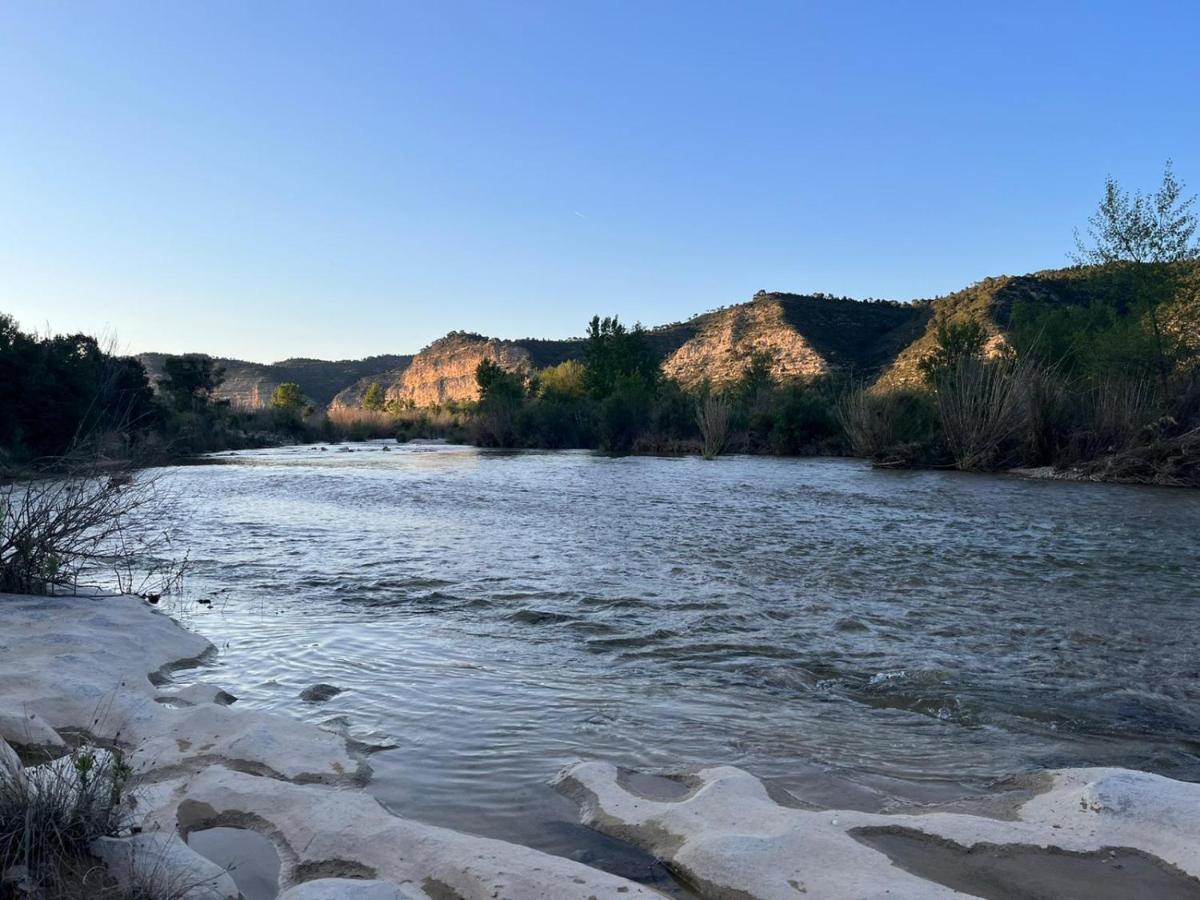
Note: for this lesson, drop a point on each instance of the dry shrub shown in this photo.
(713, 416)
(1118, 409)
(983, 410)
(894, 427)
(84, 517)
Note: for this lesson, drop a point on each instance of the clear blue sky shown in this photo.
(264, 180)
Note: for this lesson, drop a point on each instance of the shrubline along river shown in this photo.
(867, 637)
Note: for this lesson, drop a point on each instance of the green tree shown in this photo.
(955, 342)
(616, 354)
(374, 398)
(567, 380)
(501, 393)
(189, 381)
(288, 406)
(288, 398)
(1151, 231)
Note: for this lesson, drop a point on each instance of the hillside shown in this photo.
(804, 336)
(249, 385)
(992, 300)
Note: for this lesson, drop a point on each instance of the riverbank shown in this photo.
(116, 672)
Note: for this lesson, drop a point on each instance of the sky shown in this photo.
(335, 180)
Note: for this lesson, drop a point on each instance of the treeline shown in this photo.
(67, 398)
(617, 400)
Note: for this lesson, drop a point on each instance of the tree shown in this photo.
(501, 393)
(567, 380)
(288, 398)
(956, 342)
(374, 398)
(190, 380)
(614, 353)
(1151, 231)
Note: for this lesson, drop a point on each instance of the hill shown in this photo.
(802, 335)
(249, 385)
(991, 302)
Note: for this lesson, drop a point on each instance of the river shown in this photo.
(849, 634)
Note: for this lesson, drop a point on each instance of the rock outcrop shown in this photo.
(1099, 832)
(799, 336)
(102, 668)
(444, 372)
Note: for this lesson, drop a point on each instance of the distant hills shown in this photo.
(249, 385)
(803, 335)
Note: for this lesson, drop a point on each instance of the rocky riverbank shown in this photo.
(119, 674)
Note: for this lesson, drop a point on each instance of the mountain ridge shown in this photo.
(800, 335)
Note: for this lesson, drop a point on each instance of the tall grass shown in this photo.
(983, 409)
(50, 815)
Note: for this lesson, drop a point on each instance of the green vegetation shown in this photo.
(374, 398)
(56, 392)
(289, 408)
(50, 816)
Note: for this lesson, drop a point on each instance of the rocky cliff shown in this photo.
(249, 385)
(802, 336)
(444, 372)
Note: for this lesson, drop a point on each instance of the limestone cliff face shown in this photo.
(723, 348)
(444, 372)
(803, 336)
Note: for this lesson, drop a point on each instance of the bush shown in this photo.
(982, 409)
(895, 427)
(59, 525)
(623, 415)
(712, 418)
(803, 419)
(50, 815)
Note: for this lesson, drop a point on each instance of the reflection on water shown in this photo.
(494, 616)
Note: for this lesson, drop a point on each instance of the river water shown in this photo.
(493, 616)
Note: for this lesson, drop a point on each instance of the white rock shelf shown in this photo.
(726, 835)
(96, 668)
(93, 667)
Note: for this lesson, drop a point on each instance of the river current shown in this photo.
(493, 616)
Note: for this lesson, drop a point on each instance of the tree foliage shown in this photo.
(190, 380)
(375, 398)
(616, 356)
(955, 342)
(288, 398)
(1141, 228)
(59, 390)
(1154, 233)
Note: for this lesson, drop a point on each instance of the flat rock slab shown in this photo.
(96, 666)
(90, 665)
(1086, 834)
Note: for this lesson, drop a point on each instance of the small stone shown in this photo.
(319, 693)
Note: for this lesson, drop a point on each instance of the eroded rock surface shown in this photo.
(725, 833)
(94, 666)
(162, 863)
